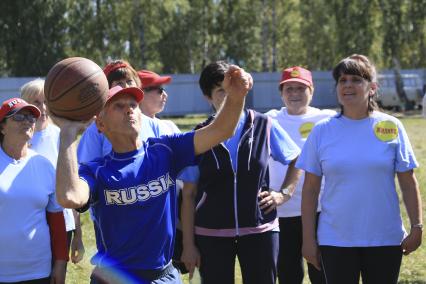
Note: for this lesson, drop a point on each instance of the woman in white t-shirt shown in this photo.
(359, 153)
(297, 118)
(45, 141)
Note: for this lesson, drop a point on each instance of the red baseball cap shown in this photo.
(118, 90)
(12, 106)
(113, 66)
(297, 74)
(149, 79)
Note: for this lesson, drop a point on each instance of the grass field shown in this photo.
(413, 268)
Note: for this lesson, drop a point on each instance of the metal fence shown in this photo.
(185, 96)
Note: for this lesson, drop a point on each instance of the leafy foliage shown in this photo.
(182, 36)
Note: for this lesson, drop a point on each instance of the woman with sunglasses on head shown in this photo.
(45, 141)
(359, 153)
(33, 229)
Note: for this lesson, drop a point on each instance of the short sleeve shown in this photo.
(87, 175)
(405, 159)
(53, 205)
(91, 145)
(283, 148)
(173, 126)
(190, 174)
(309, 160)
(182, 149)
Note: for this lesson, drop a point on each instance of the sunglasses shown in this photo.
(21, 117)
(160, 90)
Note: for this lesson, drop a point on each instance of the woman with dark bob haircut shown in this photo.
(360, 230)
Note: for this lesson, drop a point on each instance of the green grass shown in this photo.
(413, 269)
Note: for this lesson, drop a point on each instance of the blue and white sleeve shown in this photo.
(283, 148)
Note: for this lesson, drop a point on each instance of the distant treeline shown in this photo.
(182, 36)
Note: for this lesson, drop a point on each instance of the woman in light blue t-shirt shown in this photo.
(359, 152)
(32, 234)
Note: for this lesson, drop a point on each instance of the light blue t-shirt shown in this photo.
(27, 191)
(283, 148)
(94, 144)
(359, 159)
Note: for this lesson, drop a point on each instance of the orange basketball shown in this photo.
(76, 88)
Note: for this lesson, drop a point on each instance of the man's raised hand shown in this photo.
(237, 82)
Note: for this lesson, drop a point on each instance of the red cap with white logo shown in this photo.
(12, 106)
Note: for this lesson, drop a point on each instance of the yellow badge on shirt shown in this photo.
(386, 130)
(305, 129)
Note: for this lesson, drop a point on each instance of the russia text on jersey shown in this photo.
(142, 192)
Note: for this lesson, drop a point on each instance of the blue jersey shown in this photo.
(134, 200)
(94, 144)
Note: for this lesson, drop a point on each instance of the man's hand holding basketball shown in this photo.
(71, 127)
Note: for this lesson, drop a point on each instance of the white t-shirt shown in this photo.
(46, 143)
(298, 128)
(359, 159)
(27, 191)
(167, 127)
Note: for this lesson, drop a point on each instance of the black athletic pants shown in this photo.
(290, 260)
(257, 255)
(373, 264)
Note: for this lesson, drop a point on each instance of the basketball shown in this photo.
(75, 88)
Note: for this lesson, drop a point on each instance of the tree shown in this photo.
(355, 26)
(318, 34)
(33, 35)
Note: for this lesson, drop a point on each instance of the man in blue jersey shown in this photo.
(132, 190)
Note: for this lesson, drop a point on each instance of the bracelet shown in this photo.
(419, 225)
